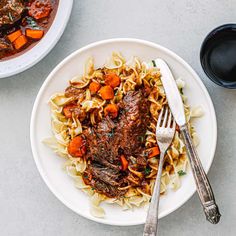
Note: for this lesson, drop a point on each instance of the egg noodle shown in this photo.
(132, 73)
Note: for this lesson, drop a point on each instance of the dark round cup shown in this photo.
(218, 55)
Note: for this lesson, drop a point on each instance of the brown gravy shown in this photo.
(25, 22)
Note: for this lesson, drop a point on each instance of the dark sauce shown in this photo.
(218, 55)
(44, 23)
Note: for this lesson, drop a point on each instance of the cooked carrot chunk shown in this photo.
(106, 92)
(13, 36)
(112, 79)
(20, 42)
(124, 162)
(68, 109)
(112, 110)
(94, 87)
(76, 147)
(34, 34)
(152, 152)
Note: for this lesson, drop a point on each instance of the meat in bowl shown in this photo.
(23, 23)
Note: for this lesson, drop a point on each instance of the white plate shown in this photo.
(50, 165)
(43, 47)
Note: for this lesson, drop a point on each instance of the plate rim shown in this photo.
(99, 43)
(67, 13)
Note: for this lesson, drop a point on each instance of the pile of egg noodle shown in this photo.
(132, 73)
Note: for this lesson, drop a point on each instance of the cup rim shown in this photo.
(207, 38)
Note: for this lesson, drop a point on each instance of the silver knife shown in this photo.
(177, 108)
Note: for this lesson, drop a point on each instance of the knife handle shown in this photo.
(203, 186)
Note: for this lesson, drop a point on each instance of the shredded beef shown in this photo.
(109, 139)
(10, 11)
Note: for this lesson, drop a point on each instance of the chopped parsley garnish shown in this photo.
(93, 188)
(181, 173)
(111, 134)
(154, 63)
(32, 23)
(147, 170)
(181, 91)
(145, 154)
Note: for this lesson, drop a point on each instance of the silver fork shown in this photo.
(165, 131)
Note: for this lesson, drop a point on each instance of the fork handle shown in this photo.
(203, 186)
(150, 228)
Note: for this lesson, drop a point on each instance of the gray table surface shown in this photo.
(27, 207)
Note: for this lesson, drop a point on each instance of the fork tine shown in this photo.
(165, 117)
(160, 117)
(174, 125)
(169, 119)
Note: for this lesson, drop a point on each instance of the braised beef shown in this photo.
(109, 139)
(141, 160)
(73, 92)
(106, 174)
(10, 11)
(5, 47)
(100, 141)
(133, 123)
(107, 189)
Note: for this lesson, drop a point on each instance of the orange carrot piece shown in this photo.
(112, 110)
(76, 147)
(20, 42)
(152, 152)
(124, 162)
(106, 92)
(112, 79)
(94, 87)
(34, 33)
(68, 109)
(13, 36)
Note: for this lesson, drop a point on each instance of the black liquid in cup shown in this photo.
(218, 55)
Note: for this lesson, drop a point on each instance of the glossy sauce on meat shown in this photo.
(112, 138)
(20, 16)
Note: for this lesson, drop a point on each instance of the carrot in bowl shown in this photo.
(76, 147)
(34, 33)
(106, 92)
(152, 152)
(94, 87)
(112, 110)
(20, 42)
(112, 79)
(13, 36)
(124, 162)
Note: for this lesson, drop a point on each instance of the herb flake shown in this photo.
(181, 91)
(111, 134)
(154, 63)
(147, 170)
(181, 173)
(32, 23)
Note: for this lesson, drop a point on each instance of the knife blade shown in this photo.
(172, 92)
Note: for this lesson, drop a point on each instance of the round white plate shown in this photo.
(43, 47)
(50, 165)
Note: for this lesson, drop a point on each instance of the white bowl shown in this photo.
(43, 47)
(50, 165)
